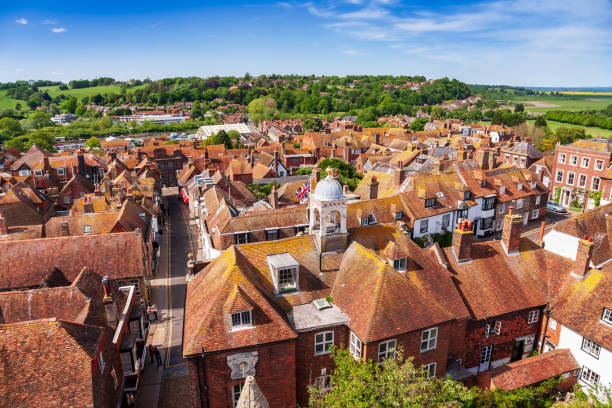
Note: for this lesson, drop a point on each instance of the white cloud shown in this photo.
(49, 22)
(58, 30)
(21, 21)
(284, 4)
(352, 52)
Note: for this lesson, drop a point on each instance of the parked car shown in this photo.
(556, 207)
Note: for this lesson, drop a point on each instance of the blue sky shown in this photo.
(515, 42)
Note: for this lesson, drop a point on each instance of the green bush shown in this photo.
(420, 242)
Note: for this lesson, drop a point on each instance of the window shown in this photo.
(559, 176)
(66, 200)
(236, 391)
(355, 348)
(38, 173)
(562, 157)
(500, 225)
(519, 203)
(576, 373)
(507, 158)
(486, 223)
(538, 198)
(514, 161)
(399, 215)
(101, 363)
(386, 350)
(462, 214)
(170, 165)
(532, 185)
(127, 362)
(573, 160)
(400, 264)
(364, 221)
(429, 339)
(570, 178)
(599, 164)
(241, 319)
(60, 171)
(323, 341)
(446, 220)
(607, 316)
(430, 369)
(589, 376)
(271, 235)
(368, 220)
(135, 327)
(87, 229)
(534, 316)
(493, 327)
(430, 202)
(241, 238)
(535, 214)
(519, 186)
(585, 163)
(488, 203)
(582, 180)
(466, 195)
(595, 184)
(101, 172)
(502, 189)
(286, 280)
(24, 172)
(523, 161)
(552, 324)
(423, 225)
(134, 282)
(590, 347)
(502, 208)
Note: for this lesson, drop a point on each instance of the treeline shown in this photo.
(86, 83)
(501, 91)
(602, 119)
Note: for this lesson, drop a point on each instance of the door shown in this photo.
(517, 351)
(485, 357)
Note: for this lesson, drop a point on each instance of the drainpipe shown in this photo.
(203, 381)
(547, 313)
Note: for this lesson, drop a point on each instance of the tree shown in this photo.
(519, 107)
(313, 124)
(418, 125)
(93, 142)
(220, 138)
(38, 120)
(171, 142)
(70, 105)
(540, 121)
(196, 110)
(9, 128)
(263, 108)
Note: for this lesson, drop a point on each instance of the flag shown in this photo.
(303, 191)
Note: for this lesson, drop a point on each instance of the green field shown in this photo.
(592, 131)
(573, 103)
(54, 91)
(8, 103)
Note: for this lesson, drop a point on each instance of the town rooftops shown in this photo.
(523, 149)
(596, 145)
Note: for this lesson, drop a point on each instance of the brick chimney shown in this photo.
(88, 207)
(64, 229)
(346, 190)
(377, 137)
(461, 154)
(586, 246)
(373, 188)
(316, 174)
(462, 241)
(109, 304)
(511, 234)
(274, 197)
(397, 177)
(3, 226)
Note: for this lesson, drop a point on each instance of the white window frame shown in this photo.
(355, 346)
(534, 214)
(38, 173)
(287, 285)
(423, 223)
(589, 377)
(582, 180)
(538, 200)
(236, 391)
(534, 317)
(599, 164)
(430, 202)
(239, 237)
(593, 183)
(87, 229)
(446, 220)
(321, 339)
(559, 176)
(588, 162)
(573, 161)
(606, 316)
(523, 161)
(242, 321)
(386, 350)
(572, 175)
(591, 348)
(430, 369)
(400, 264)
(502, 189)
(552, 324)
(24, 173)
(519, 203)
(67, 199)
(502, 208)
(562, 157)
(429, 339)
(61, 171)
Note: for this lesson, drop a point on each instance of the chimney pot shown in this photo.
(583, 257)
(462, 241)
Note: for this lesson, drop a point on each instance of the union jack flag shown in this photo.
(303, 191)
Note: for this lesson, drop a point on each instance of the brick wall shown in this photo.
(308, 366)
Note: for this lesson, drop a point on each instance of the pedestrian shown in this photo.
(152, 352)
(157, 356)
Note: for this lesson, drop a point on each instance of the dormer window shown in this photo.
(399, 264)
(87, 229)
(241, 320)
(368, 220)
(60, 171)
(285, 272)
(430, 202)
(607, 316)
(519, 186)
(466, 195)
(502, 189)
(399, 215)
(38, 173)
(533, 184)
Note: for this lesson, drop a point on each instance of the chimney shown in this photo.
(540, 240)
(462, 241)
(586, 246)
(482, 157)
(3, 226)
(109, 304)
(373, 184)
(81, 160)
(46, 164)
(437, 166)
(276, 162)
(511, 234)
(377, 137)
(88, 204)
(274, 198)
(461, 154)
(397, 176)
(64, 229)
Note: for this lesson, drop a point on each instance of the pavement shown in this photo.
(168, 290)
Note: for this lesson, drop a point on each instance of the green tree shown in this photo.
(9, 128)
(519, 107)
(418, 125)
(37, 120)
(70, 105)
(540, 121)
(313, 124)
(92, 142)
(263, 108)
(196, 110)
(171, 142)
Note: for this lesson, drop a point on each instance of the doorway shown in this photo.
(517, 351)
(485, 357)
